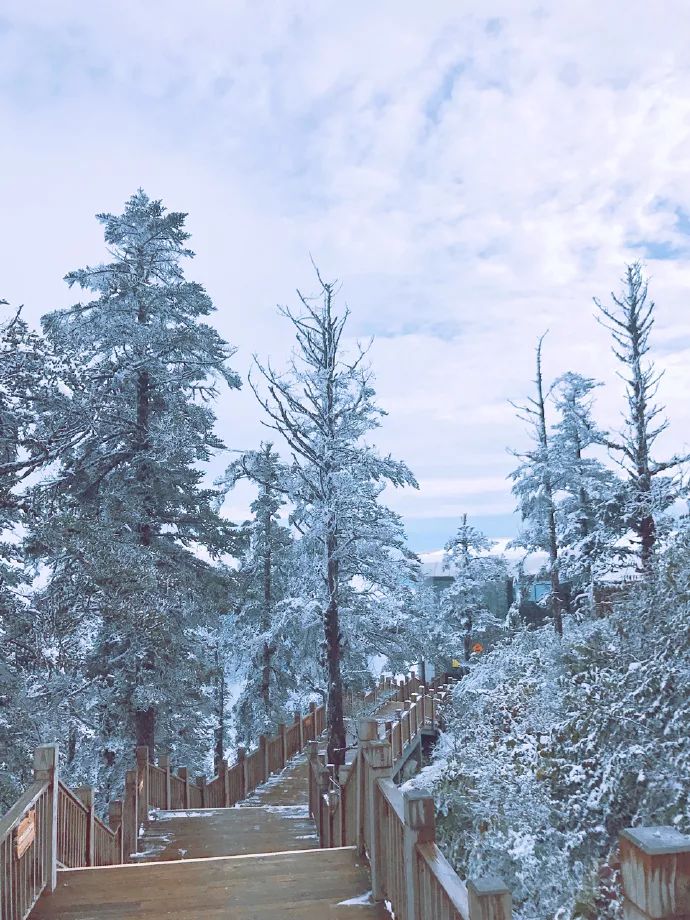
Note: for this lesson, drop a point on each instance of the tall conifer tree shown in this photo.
(324, 407)
(126, 510)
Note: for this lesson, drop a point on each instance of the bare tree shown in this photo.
(630, 323)
(534, 486)
(323, 407)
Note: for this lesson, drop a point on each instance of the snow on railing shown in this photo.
(359, 804)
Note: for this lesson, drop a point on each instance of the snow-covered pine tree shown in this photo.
(534, 486)
(126, 509)
(20, 369)
(630, 321)
(464, 605)
(263, 579)
(31, 436)
(590, 495)
(324, 407)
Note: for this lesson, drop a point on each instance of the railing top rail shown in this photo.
(394, 797)
(73, 798)
(23, 804)
(104, 827)
(453, 886)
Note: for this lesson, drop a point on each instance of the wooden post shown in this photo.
(335, 809)
(142, 785)
(242, 761)
(377, 764)
(432, 707)
(368, 730)
(263, 747)
(422, 700)
(312, 760)
(85, 796)
(201, 783)
(489, 899)
(323, 809)
(312, 710)
(183, 773)
(420, 827)
(300, 737)
(164, 764)
(46, 770)
(115, 822)
(407, 714)
(223, 772)
(283, 743)
(399, 713)
(655, 867)
(130, 816)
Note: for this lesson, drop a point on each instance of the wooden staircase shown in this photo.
(279, 834)
(302, 885)
(259, 860)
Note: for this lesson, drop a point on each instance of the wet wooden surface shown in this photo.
(313, 885)
(273, 819)
(228, 832)
(258, 861)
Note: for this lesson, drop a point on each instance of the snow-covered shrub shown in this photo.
(553, 745)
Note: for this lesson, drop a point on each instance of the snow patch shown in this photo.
(361, 901)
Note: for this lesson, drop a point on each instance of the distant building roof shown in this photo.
(432, 563)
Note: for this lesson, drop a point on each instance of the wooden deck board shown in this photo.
(257, 861)
(300, 886)
(173, 835)
(290, 787)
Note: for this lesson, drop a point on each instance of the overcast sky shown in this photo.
(473, 172)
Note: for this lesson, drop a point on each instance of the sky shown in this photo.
(473, 173)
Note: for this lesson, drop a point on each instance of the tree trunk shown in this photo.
(334, 717)
(145, 728)
(219, 749)
(267, 652)
(556, 594)
(144, 720)
(646, 531)
(468, 636)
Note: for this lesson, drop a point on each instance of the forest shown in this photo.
(133, 611)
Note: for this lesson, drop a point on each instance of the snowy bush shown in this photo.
(554, 745)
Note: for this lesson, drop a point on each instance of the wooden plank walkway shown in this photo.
(259, 860)
(308, 885)
(274, 819)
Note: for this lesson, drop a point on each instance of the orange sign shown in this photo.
(25, 833)
(477, 647)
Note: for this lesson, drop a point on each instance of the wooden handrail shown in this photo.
(28, 840)
(23, 804)
(445, 879)
(396, 830)
(67, 833)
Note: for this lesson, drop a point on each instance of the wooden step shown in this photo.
(304, 885)
(196, 834)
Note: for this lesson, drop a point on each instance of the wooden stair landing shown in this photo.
(173, 835)
(307, 885)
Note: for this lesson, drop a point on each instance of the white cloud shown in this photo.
(473, 182)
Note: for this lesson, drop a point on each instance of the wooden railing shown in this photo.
(359, 804)
(26, 868)
(53, 826)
